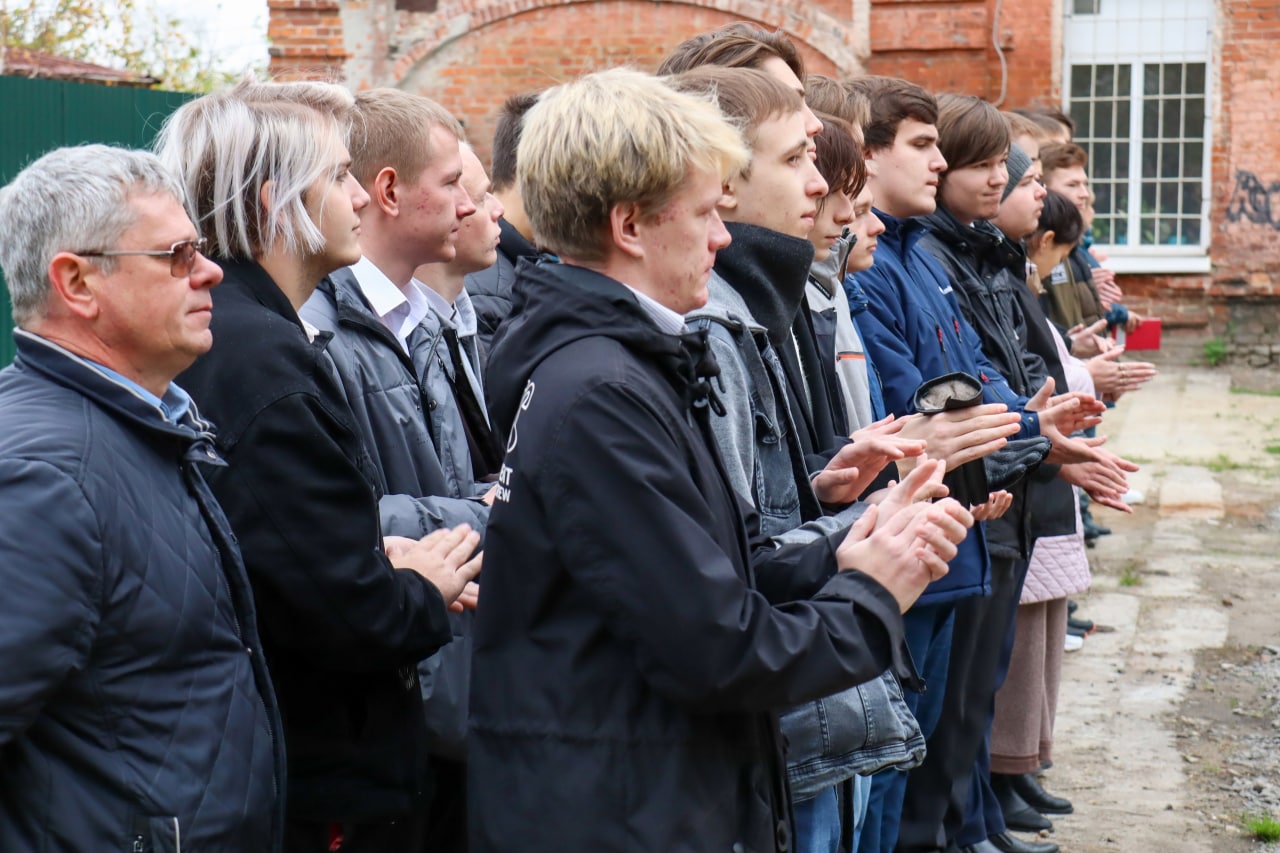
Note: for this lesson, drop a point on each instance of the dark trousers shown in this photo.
(446, 824)
(941, 784)
(928, 633)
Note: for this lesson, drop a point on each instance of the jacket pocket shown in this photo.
(155, 834)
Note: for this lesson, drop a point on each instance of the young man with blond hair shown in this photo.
(629, 656)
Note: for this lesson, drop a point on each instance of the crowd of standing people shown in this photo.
(705, 475)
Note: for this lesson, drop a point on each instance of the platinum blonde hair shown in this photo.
(614, 137)
(71, 200)
(230, 149)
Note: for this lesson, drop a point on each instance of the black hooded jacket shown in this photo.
(632, 645)
(987, 271)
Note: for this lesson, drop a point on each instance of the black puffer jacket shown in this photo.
(985, 271)
(136, 712)
(343, 630)
(627, 661)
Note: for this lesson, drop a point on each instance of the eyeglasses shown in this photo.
(182, 255)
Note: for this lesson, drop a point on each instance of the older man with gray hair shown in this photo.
(136, 710)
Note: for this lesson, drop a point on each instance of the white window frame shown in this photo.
(1137, 33)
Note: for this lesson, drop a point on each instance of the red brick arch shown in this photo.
(822, 32)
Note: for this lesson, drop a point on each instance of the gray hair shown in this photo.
(226, 147)
(70, 200)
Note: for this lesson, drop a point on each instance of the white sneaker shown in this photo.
(1133, 496)
(1074, 643)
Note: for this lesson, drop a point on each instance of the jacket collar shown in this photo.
(901, 235)
(513, 244)
(353, 309)
(257, 283)
(827, 274)
(65, 368)
(769, 271)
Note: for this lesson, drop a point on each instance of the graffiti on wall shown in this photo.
(1255, 201)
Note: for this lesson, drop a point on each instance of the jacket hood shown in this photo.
(725, 304)
(829, 273)
(769, 271)
(554, 305)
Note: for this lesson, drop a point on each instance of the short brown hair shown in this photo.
(506, 139)
(970, 130)
(892, 101)
(827, 95)
(1020, 125)
(746, 97)
(736, 45)
(393, 128)
(1060, 155)
(1050, 121)
(840, 160)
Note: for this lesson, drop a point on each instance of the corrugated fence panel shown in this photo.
(37, 116)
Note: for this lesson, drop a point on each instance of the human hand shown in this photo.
(908, 551)
(855, 466)
(1087, 341)
(440, 557)
(997, 505)
(958, 436)
(469, 598)
(1113, 378)
(922, 483)
(1134, 321)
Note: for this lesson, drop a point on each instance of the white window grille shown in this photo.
(1138, 85)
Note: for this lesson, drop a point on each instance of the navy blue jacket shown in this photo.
(914, 331)
(136, 712)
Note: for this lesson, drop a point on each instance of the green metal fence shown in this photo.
(37, 116)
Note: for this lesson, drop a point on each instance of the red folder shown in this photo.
(1145, 337)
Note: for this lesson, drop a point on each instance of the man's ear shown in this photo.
(73, 280)
(384, 191)
(624, 228)
(729, 194)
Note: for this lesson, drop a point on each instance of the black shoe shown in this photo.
(1017, 813)
(1072, 606)
(1077, 632)
(1085, 625)
(1028, 787)
(1006, 843)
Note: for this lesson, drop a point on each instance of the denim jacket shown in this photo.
(856, 731)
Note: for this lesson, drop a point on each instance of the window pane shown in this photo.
(1086, 7)
(1148, 229)
(1195, 78)
(1104, 126)
(1122, 117)
(1192, 195)
(1193, 117)
(1151, 118)
(1191, 232)
(1080, 115)
(1124, 79)
(1172, 79)
(1122, 232)
(1150, 160)
(1104, 85)
(1081, 85)
(1151, 80)
(1100, 162)
(1193, 160)
(1170, 160)
(1171, 118)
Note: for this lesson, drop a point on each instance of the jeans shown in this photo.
(818, 819)
(928, 635)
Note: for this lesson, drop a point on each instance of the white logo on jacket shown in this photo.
(504, 473)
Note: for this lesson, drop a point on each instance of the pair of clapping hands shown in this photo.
(444, 558)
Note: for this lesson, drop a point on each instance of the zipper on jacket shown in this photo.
(942, 345)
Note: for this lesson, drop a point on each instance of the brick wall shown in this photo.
(470, 54)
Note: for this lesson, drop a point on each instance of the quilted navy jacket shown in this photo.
(136, 712)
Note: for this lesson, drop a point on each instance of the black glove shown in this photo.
(968, 483)
(1014, 461)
